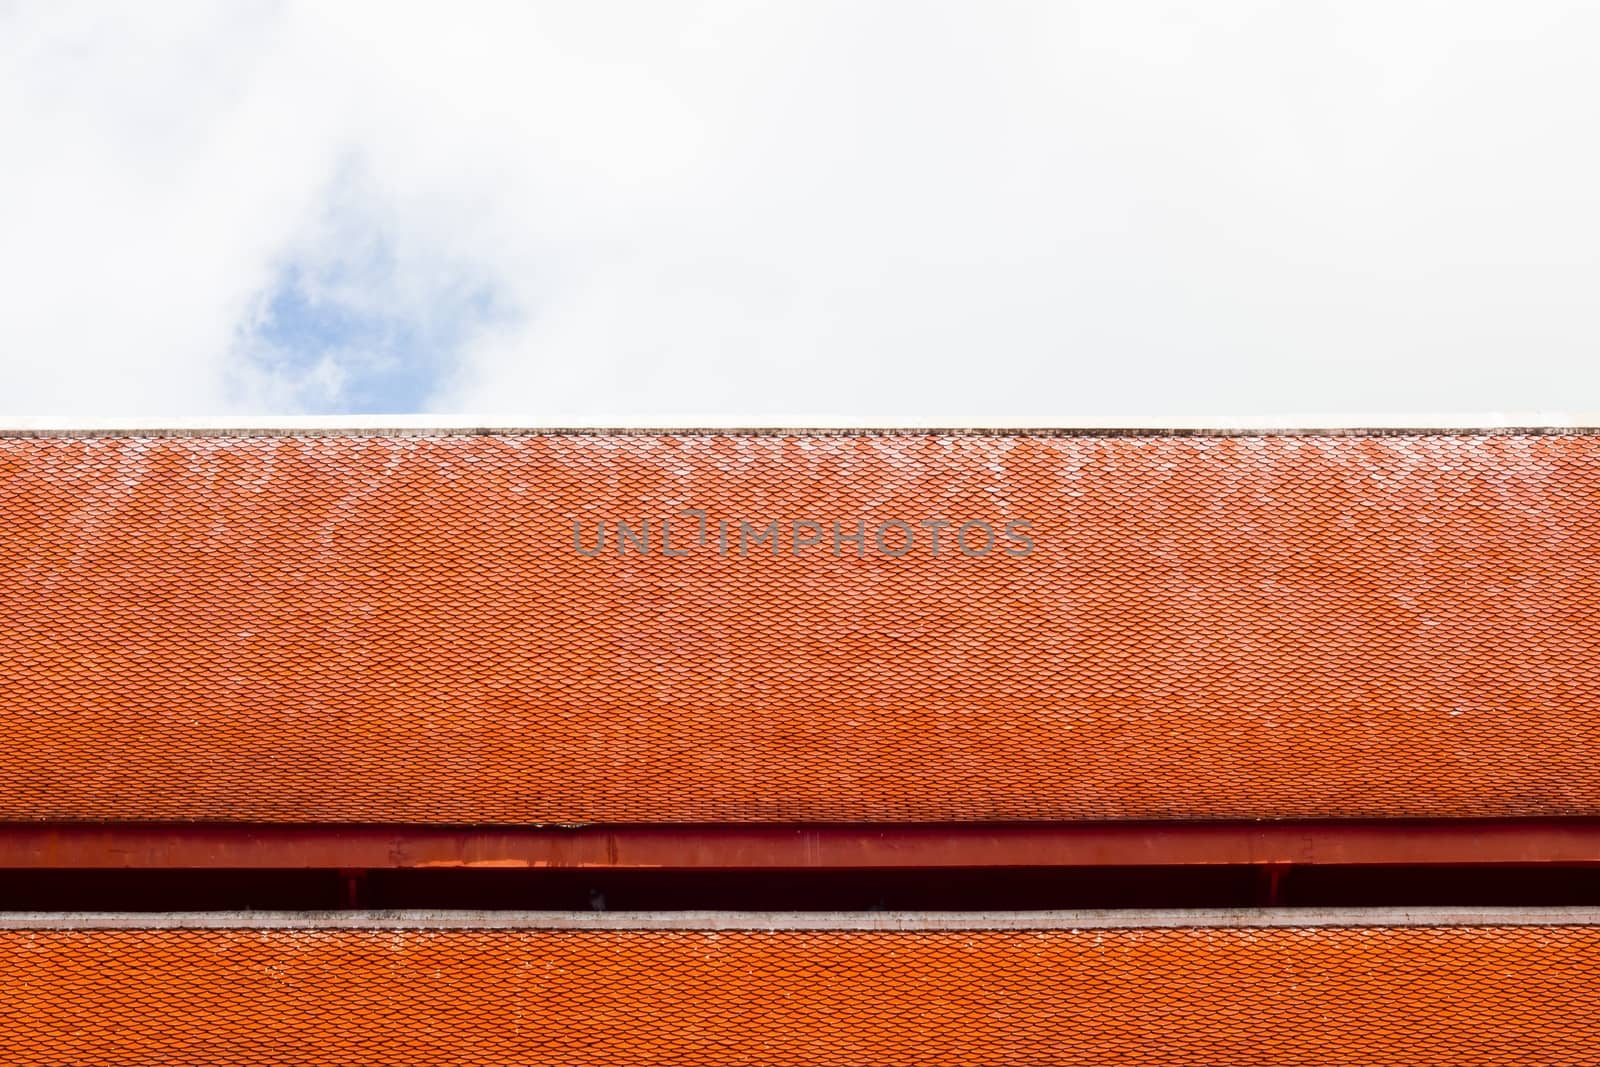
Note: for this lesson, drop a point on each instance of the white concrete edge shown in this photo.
(265, 425)
(925, 921)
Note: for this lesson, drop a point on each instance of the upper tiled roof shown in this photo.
(399, 628)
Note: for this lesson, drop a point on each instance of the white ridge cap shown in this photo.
(415, 424)
(920, 921)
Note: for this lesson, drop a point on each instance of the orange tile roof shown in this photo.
(1185, 996)
(399, 628)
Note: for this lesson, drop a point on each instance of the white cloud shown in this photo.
(973, 209)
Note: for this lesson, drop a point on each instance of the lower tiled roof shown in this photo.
(1504, 994)
(401, 629)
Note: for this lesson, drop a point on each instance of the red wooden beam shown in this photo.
(696, 847)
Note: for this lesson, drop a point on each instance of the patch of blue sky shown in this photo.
(353, 337)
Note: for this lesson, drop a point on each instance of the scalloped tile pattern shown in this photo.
(400, 629)
(1179, 996)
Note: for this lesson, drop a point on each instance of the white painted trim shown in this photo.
(377, 425)
(787, 920)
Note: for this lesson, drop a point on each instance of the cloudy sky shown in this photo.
(981, 209)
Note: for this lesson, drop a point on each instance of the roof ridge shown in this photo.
(396, 425)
